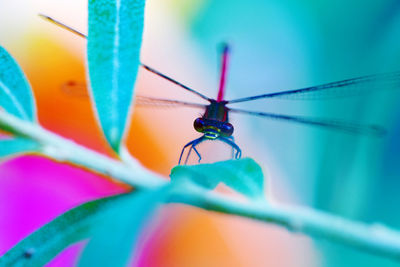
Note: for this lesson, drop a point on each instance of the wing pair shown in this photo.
(77, 89)
(349, 87)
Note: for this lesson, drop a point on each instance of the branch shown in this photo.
(65, 150)
(376, 238)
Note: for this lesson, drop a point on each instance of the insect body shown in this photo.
(215, 125)
(214, 122)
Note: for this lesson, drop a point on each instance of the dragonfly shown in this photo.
(214, 123)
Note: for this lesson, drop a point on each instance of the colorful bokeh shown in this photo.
(276, 45)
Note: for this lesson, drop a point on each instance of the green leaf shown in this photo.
(10, 147)
(113, 48)
(114, 239)
(15, 92)
(45, 243)
(244, 176)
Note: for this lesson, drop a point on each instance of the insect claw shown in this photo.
(197, 152)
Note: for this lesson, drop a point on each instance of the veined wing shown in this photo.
(345, 126)
(175, 82)
(349, 87)
(78, 89)
(164, 103)
(62, 25)
(68, 28)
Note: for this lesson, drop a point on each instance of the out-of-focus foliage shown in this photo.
(15, 98)
(113, 50)
(15, 92)
(75, 225)
(114, 239)
(10, 147)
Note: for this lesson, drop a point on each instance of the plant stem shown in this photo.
(376, 238)
(65, 150)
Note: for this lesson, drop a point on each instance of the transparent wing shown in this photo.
(345, 126)
(62, 25)
(68, 28)
(175, 82)
(78, 89)
(164, 103)
(349, 87)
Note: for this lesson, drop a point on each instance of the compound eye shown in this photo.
(226, 129)
(199, 125)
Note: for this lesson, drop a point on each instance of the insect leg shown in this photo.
(183, 150)
(197, 152)
(238, 154)
(193, 146)
(233, 149)
(196, 141)
(188, 154)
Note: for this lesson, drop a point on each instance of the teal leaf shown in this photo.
(244, 176)
(15, 92)
(114, 240)
(113, 50)
(45, 243)
(11, 147)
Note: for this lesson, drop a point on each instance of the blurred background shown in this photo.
(276, 45)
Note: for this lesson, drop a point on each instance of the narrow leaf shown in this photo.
(114, 239)
(45, 243)
(10, 147)
(113, 48)
(244, 176)
(15, 92)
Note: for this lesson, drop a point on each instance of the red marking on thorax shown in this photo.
(222, 81)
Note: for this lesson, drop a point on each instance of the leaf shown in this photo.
(45, 243)
(113, 48)
(244, 176)
(10, 147)
(114, 239)
(15, 92)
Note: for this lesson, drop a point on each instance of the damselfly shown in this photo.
(214, 123)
